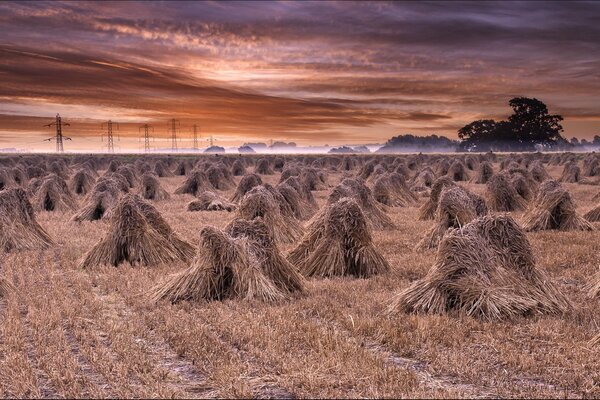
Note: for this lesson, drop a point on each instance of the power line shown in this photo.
(59, 136)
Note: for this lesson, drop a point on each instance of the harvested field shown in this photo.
(70, 332)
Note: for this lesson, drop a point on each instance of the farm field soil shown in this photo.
(66, 332)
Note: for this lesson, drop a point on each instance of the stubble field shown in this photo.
(67, 332)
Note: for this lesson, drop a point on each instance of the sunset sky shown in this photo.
(309, 72)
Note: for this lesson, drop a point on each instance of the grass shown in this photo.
(74, 333)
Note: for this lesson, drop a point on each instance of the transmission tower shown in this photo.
(109, 135)
(146, 129)
(59, 136)
(211, 140)
(173, 126)
(195, 137)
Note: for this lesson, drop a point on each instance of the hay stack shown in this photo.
(245, 185)
(593, 215)
(220, 177)
(391, 189)
(139, 235)
(313, 179)
(128, 172)
(289, 171)
(241, 263)
(485, 172)
(427, 210)
(238, 168)
(348, 164)
(53, 194)
(100, 203)
(151, 189)
(304, 192)
(113, 166)
(119, 179)
(196, 182)
(82, 182)
(538, 172)
(456, 208)
(183, 168)
(210, 201)
(18, 228)
(261, 202)
(422, 181)
(357, 190)
(339, 243)
(19, 176)
(35, 172)
(554, 208)
(161, 170)
(263, 167)
(367, 169)
(487, 270)
(458, 171)
(571, 173)
(301, 208)
(591, 166)
(501, 194)
(6, 180)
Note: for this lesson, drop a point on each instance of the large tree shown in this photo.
(528, 126)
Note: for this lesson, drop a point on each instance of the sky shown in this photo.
(310, 72)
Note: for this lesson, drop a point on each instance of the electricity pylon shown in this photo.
(109, 135)
(195, 137)
(146, 128)
(173, 128)
(59, 136)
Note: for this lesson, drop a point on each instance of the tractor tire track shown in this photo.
(88, 371)
(419, 368)
(187, 379)
(261, 389)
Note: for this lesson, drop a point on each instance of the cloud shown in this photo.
(299, 70)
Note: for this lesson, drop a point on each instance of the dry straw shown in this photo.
(593, 215)
(210, 201)
(195, 183)
(339, 243)
(357, 190)
(427, 210)
(554, 208)
(242, 263)
(151, 188)
(456, 207)
(53, 194)
(485, 171)
(139, 235)
(100, 202)
(18, 228)
(487, 270)
(245, 185)
(391, 190)
(265, 202)
(501, 195)
(82, 182)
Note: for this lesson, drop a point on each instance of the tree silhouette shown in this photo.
(530, 125)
